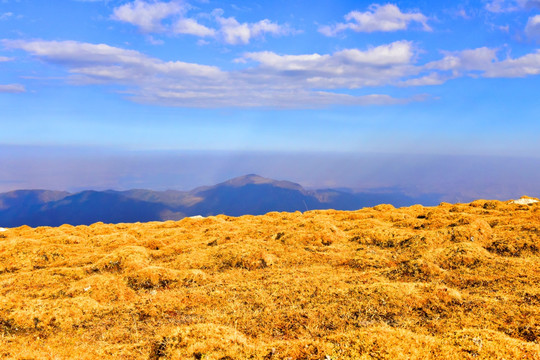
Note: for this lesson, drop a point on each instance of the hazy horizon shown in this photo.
(158, 94)
(455, 177)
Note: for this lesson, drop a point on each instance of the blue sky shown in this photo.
(351, 77)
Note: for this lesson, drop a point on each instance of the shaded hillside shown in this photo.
(21, 200)
(447, 282)
(88, 207)
(347, 200)
(15, 206)
(250, 194)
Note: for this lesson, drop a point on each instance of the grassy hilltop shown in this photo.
(447, 282)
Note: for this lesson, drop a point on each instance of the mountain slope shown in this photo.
(21, 199)
(89, 207)
(17, 204)
(250, 194)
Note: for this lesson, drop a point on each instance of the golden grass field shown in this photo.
(447, 282)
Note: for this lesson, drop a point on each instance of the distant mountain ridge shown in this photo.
(250, 194)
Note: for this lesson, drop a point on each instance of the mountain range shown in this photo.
(249, 194)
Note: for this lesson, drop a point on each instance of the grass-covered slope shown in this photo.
(447, 282)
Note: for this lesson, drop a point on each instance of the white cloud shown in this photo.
(169, 17)
(274, 80)
(396, 53)
(4, 59)
(349, 68)
(378, 18)
(12, 88)
(268, 79)
(533, 27)
(267, 27)
(147, 15)
(192, 27)
(526, 65)
(234, 32)
(101, 62)
(427, 80)
(484, 62)
(466, 60)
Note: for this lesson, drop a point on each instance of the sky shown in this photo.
(101, 83)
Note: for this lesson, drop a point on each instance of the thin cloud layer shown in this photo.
(270, 83)
(500, 6)
(12, 88)
(270, 79)
(6, 15)
(384, 18)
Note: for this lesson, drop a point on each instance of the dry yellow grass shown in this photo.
(447, 282)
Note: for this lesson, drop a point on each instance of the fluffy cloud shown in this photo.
(192, 27)
(169, 17)
(378, 18)
(484, 62)
(533, 27)
(147, 16)
(526, 65)
(234, 32)
(12, 88)
(350, 68)
(466, 60)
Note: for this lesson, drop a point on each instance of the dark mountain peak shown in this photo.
(254, 179)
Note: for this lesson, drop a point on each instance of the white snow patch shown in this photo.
(523, 201)
(196, 217)
(2, 229)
